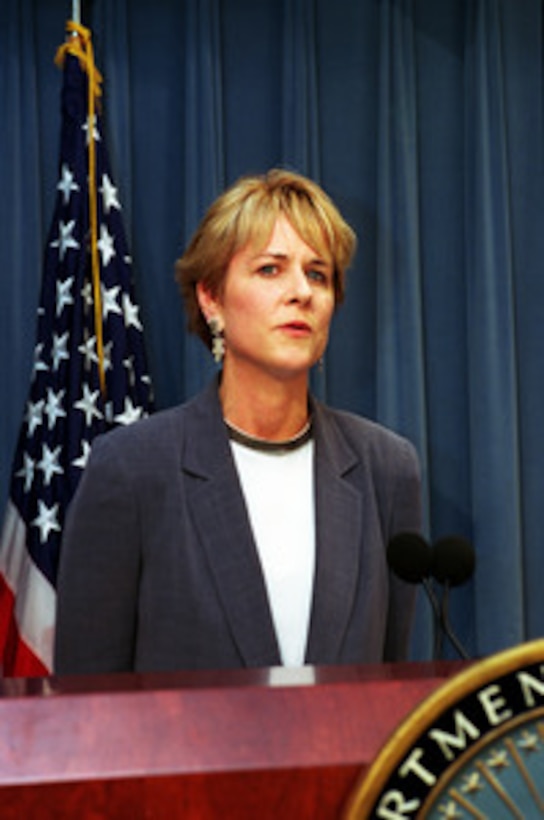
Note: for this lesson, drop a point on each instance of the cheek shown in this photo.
(242, 308)
(327, 311)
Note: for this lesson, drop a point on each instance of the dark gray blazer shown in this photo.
(159, 569)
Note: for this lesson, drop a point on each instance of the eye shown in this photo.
(318, 275)
(269, 269)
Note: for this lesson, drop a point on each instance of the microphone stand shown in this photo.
(437, 621)
(446, 626)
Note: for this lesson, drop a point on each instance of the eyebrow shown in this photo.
(317, 260)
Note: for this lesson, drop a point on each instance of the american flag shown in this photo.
(89, 372)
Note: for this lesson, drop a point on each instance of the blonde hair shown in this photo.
(246, 212)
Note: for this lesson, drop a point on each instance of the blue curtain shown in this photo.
(424, 121)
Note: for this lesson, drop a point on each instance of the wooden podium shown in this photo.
(257, 744)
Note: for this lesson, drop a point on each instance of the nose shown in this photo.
(299, 287)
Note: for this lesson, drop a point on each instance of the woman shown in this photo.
(248, 526)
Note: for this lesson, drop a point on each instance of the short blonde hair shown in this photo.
(246, 212)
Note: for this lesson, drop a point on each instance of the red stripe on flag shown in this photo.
(15, 654)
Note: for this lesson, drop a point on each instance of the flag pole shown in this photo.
(76, 11)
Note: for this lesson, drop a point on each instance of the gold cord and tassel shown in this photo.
(79, 45)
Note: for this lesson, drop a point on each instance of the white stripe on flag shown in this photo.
(35, 598)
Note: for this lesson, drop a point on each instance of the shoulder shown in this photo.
(148, 432)
(379, 462)
(159, 436)
(370, 441)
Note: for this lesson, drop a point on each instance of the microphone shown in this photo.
(453, 560)
(450, 563)
(410, 557)
(453, 563)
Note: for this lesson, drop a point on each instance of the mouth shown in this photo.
(296, 327)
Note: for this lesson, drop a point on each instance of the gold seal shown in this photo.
(473, 749)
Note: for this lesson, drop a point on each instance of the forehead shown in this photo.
(283, 238)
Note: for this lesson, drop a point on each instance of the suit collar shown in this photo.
(221, 519)
(339, 523)
(222, 522)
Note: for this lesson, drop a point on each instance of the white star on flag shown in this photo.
(81, 460)
(92, 128)
(66, 183)
(46, 520)
(65, 239)
(106, 246)
(34, 416)
(87, 294)
(109, 301)
(53, 407)
(38, 364)
(131, 313)
(88, 349)
(107, 351)
(87, 404)
(59, 352)
(64, 295)
(129, 414)
(109, 194)
(27, 472)
(49, 464)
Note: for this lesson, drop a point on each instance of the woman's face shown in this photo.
(276, 305)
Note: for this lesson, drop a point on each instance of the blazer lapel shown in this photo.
(339, 522)
(222, 523)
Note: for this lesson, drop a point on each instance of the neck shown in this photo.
(269, 409)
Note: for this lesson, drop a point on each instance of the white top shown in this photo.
(279, 491)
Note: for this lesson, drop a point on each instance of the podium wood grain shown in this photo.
(243, 744)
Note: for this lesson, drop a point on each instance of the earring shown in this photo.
(218, 340)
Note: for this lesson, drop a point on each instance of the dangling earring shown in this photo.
(218, 340)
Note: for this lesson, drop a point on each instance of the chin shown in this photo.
(291, 370)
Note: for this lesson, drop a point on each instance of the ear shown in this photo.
(208, 303)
